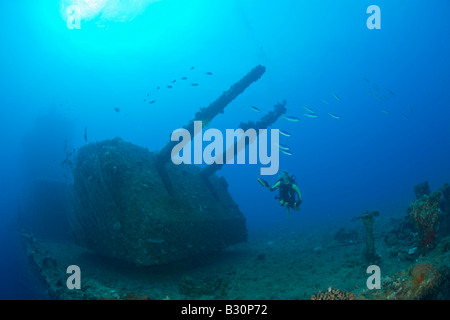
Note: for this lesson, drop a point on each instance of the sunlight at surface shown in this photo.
(106, 10)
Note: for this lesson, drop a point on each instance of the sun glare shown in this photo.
(104, 10)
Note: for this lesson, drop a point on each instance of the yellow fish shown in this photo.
(334, 116)
(337, 97)
(283, 147)
(287, 152)
(289, 118)
(309, 110)
(284, 133)
(254, 108)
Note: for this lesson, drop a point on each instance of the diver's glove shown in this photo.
(297, 204)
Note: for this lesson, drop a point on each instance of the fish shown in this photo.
(337, 97)
(116, 109)
(152, 102)
(378, 98)
(385, 111)
(192, 68)
(376, 87)
(367, 80)
(184, 78)
(254, 108)
(194, 84)
(309, 110)
(173, 81)
(390, 92)
(334, 116)
(287, 152)
(148, 94)
(144, 100)
(310, 115)
(290, 118)
(369, 93)
(284, 147)
(85, 134)
(157, 88)
(325, 101)
(208, 73)
(284, 133)
(169, 86)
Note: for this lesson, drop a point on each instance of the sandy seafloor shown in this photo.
(281, 263)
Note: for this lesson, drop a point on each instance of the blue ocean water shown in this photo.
(387, 90)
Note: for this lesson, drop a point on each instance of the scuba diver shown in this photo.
(288, 191)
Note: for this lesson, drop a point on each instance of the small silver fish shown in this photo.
(309, 110)
(310, 115)
(287, 152)
(290, 118)
(334, 116)
(376, 87)
(391, 93)
(337, 97)
(325, 101)
(283, 147)
(194, 84)
(254, 108)
(284, 133)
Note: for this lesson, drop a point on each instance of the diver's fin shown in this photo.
(263, 182)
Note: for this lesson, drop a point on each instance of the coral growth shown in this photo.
(421, 281)
(334, 294)
(128, 296)
(424, 214)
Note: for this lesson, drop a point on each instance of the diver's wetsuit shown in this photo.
(287, 193)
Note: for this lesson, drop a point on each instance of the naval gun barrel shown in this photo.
(206, 115)
(270, 118)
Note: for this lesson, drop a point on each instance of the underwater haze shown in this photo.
(367, 109)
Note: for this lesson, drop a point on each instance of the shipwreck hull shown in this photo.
(128, 207)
